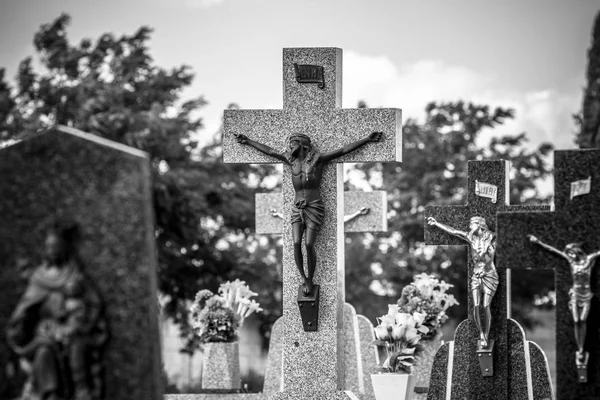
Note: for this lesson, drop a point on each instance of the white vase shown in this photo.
(389, 386)
(221, 366)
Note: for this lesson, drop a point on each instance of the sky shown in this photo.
(528, 55)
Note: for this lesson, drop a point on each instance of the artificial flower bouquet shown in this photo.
(217, 317)
(399, 334)
(427, 295)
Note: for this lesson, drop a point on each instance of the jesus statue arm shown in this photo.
(535, 240)
(461, 234)
(263, 148)
(362, 211)
(332, 155)
(593, 256)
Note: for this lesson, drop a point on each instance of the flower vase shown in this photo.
(422, 369)
(221, 366)
(393, 386)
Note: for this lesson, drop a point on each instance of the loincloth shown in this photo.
(580, 299)
(486, 281)
(310, 214)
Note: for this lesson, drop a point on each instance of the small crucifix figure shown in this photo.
(544, 240)
(580, 294)
(307, 213)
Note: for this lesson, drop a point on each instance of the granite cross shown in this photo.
(475, 372)
(313, 360)
(576, 220)
(360, 355)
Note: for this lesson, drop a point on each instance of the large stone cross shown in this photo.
(313, 361)
(466, 376)
(576, 219)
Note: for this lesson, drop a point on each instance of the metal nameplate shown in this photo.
(309, 308)
(486, 190)
(310, 74)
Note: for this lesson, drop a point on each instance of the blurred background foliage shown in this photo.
(111, 87)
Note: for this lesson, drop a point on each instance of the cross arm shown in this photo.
(263, 148)
(517, 251)
(449, 220)
(328, 156)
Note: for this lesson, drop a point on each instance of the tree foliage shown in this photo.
(434, 171)
(589, 118)
(111, 87)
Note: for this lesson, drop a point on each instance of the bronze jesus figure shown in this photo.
(485, 277)
(308, 210)
(580, 294)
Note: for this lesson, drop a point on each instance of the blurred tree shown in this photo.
(204, 209)
(589, 118)
(434, 171)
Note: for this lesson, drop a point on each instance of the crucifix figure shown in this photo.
(580, 294)
(313, 334)
(347, 218)
(484, 280)
(544, 240)
(476, 365)
(308, 210)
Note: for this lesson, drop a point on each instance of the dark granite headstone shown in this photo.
(461, 364)
(105, 188)
(576, 219)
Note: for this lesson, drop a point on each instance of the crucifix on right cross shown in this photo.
(568, 241)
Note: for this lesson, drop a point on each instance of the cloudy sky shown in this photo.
(529, 55)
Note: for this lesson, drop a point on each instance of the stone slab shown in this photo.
(106, 188)
(274, 370)
(369, 354)
(354, 379)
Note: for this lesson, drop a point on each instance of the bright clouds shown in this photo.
(203, 3)
(544, 115)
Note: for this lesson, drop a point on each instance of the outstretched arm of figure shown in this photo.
(432, 221)
(373, 137)
(593, 256)
(263, 148)
(362, 211)
(554, 250)
(276, 214)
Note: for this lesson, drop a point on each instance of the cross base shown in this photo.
(486, 358)
(581, 360)
(328, 395)
(309, 308)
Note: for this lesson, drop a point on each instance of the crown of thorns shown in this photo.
(302, 138)
(479, 220)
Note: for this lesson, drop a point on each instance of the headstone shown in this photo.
(313, 360)
(369, 354)
(268, 221)
(274, 369)
(575, 220)
(105, 189)
(457, 372)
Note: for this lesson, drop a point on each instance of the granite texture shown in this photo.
(467, 379)
(221, 366)
(354, 379)
(529, 376)
(369, 354)
(542, 380)
(374, 221)
(314, 359)
(274, 370)
(441, 371)
(422, 370)
(205, 396)
(574, 220)
(106, 188)
(266, 224)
